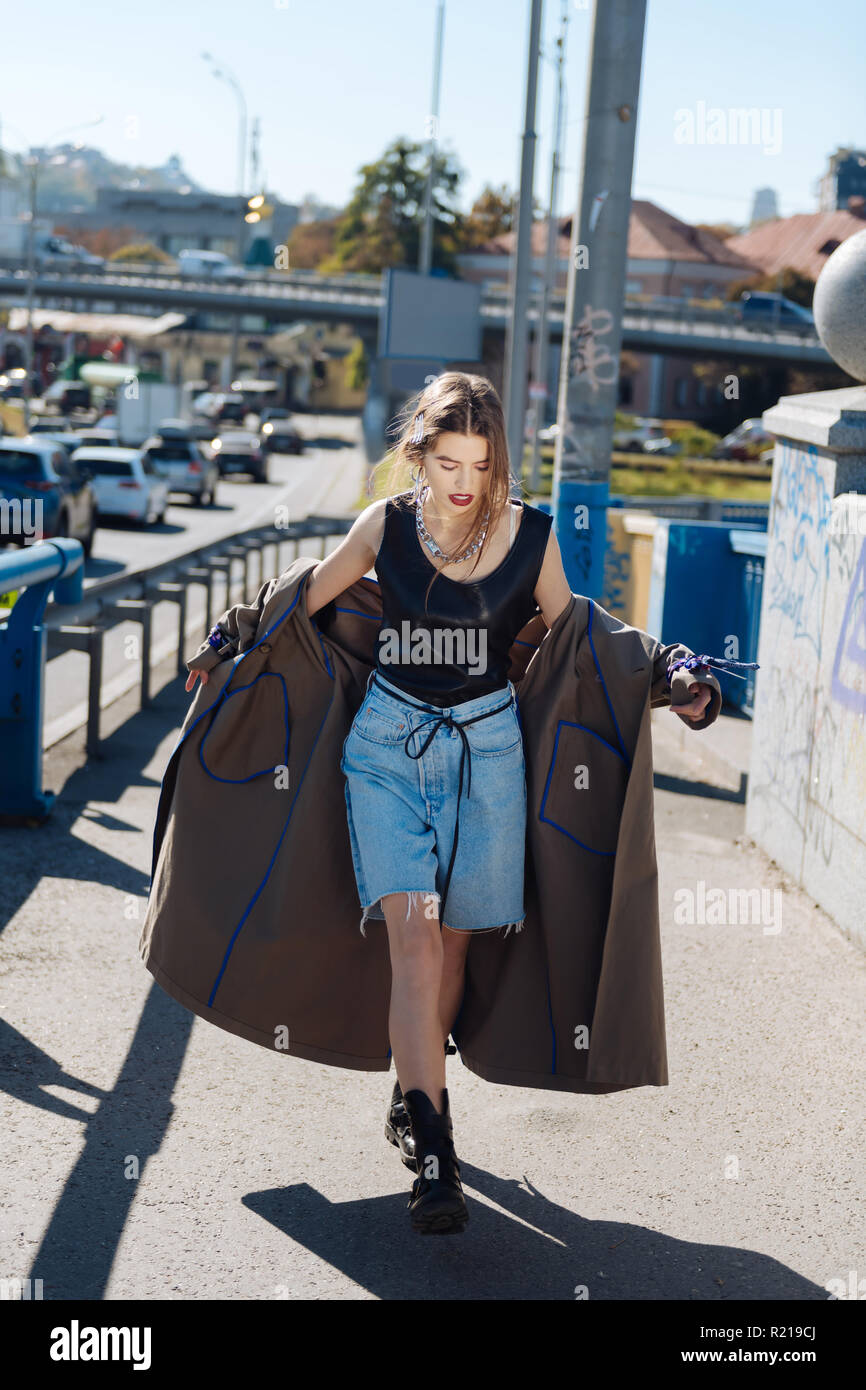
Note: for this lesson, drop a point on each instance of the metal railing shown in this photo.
(79, 620)
(56, 565)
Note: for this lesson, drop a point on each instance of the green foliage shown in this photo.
(696, 441)
(789, 282)
(357, 368)
(490, 216)
(141, 251)
(381, 225)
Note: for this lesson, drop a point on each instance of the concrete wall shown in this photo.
(806, 801)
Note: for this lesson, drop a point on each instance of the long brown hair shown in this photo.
(453, 403)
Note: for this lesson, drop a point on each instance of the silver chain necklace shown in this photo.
(429, 542)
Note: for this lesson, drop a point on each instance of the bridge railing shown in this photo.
(80, 618)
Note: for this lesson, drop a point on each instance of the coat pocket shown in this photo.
(585, 788)
(248, 733)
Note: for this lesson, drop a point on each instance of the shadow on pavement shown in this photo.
(531, 1249)
(80, 1242)
(327, 441)
(664, 782)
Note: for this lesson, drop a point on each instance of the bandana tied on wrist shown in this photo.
(723, 663)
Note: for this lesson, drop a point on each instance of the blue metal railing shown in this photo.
(37, 569)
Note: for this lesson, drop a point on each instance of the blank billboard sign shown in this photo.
(430, 316)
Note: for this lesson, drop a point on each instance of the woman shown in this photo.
(462, 569)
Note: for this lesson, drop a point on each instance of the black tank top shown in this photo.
(459, 647)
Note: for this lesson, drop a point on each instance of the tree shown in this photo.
(141, 251)
(99, 241)
(491, 215)
(381, 225)
(311, 243)
(357, 368)
(788, 282)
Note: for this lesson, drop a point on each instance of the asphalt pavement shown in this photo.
(151, 1155)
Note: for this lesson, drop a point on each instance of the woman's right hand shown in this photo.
(190, 680)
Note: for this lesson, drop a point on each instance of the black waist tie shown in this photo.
(438, 719)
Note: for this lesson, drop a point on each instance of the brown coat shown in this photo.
(253, 915)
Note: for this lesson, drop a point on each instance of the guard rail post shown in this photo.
(39, 568)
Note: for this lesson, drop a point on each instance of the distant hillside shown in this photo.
(70, 176)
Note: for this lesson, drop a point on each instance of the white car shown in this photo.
(210, 265)
(124, 483)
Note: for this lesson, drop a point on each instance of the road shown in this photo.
(327, 477)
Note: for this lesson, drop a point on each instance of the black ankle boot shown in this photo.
(398, 1131)
(437, 1204)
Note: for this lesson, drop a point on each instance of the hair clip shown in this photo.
(418, 430)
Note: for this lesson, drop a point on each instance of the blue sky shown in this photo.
(333, 81)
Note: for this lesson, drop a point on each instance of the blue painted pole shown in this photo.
(38, 569)
(595, 294)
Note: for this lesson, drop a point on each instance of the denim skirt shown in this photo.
(402, 765)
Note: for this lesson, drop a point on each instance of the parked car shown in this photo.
(664, 446)
(70, 439)
(125, 484)
(198, 430)
(49, 424)
(631, 438)
(239, 451)
(220, 405)
(97, 438)
(56, 252)
(207, 264)
(68, 395)
(764, 307)
(272, 412)
(13, 383)
(184, 467)
(38, 471)
(747, 441)
(278, 434)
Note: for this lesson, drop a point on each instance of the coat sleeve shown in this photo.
(237, 626)
(677, 693)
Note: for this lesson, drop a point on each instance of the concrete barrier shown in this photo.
(806, 802)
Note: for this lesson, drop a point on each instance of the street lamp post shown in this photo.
(32, 162)
(517, 327)
(542, 332)
(225, 75)
(425, 256)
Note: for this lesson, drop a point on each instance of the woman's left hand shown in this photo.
(701, 694)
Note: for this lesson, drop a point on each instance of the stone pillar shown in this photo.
(806, 803)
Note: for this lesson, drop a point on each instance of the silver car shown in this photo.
(184, 467)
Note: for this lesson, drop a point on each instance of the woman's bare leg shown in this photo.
(414, 1023)
(455, 944)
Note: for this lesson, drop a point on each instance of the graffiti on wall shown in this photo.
(848, 684)
(796, 567)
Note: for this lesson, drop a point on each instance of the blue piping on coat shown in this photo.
(603, 684)
(248, 909)
(236, 691)
(546, 819)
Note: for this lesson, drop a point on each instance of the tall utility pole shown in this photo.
(517, 334)
(425, 251)
(538, 389)
(225, 75)
(592, 327)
